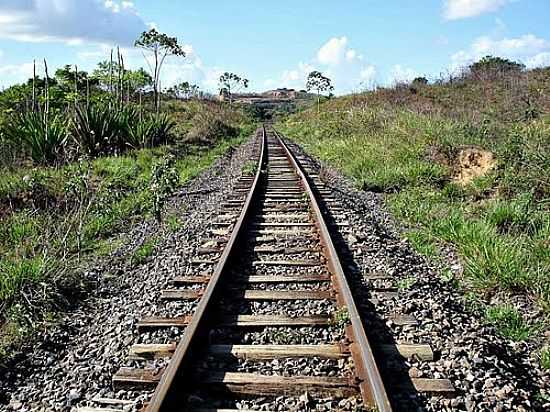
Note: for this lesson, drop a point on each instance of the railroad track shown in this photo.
(275, 314)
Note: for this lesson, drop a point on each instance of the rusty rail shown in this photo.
(371, 385)
(165, 391)
(171, 387)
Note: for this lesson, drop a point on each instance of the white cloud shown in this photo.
(15, 73)
(461, 9)
(335, 59)
(400, 74)
(533, 51)
(70, 21)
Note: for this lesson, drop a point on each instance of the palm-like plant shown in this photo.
(97, 129)
(42, 136)
(150, 131)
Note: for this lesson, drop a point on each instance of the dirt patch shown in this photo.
(471, 163)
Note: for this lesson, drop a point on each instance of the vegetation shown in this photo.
(509, 322)
(319, 83)
(160, 46)
(545, 357)
(464, 162)
(141, 254)
(249, 168)
(231, 83)
(83, 157)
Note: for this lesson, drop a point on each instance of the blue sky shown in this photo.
(358, 44)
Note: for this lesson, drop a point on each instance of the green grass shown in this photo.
(249, 168)
(544, 357)
(88, 203)
(405, 145)
(499, 223)
(174, 223)
(509, 323)
(143, 252)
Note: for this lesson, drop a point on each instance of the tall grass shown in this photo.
(499, 223)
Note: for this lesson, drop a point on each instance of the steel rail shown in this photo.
(371, 384)
(165, 391)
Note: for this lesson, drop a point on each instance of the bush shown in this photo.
(97, 129)
(43, 137)
(150, 131)
(208, 129)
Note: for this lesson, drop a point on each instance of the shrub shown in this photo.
(150, 131)
(97, 129)
(43, 137)
(208, 129)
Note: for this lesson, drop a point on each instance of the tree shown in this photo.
(420, 81)
(231, 83)
(495, 65)
(184, 90)
(316, 81)
(160, 46)
(134, 79)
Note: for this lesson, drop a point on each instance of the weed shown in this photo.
(141, 254)
(544, 357)
(42, 136)
(173, 223)
(405, 283)
(341, 317)
(249, 168)
(509, 322)
(164, 181)
(15, 273)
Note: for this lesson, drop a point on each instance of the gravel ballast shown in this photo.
(75, 360)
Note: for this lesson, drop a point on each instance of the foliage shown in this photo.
(160, 46)
(184, 90)
(208, 129)
(141, 254)
(509, 322)
(97, 129)
(341, 317)
(164, 181)
(151, 131)
(231, 83)
(136, 80)
(419, 81)
(545, 357)
(491, 64)
(405, 146)
(316, 81)
(42, 136)
(249, 168)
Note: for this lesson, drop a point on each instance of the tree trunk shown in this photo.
(318, 102)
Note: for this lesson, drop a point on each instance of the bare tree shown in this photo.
(160, 46)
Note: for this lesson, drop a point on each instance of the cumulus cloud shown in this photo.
(15, 73)
(533, 51)
(335, 59)
(461, 9)
(400, 74)
(70, 21)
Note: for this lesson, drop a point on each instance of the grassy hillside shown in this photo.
(465, 163)
(54, 217)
